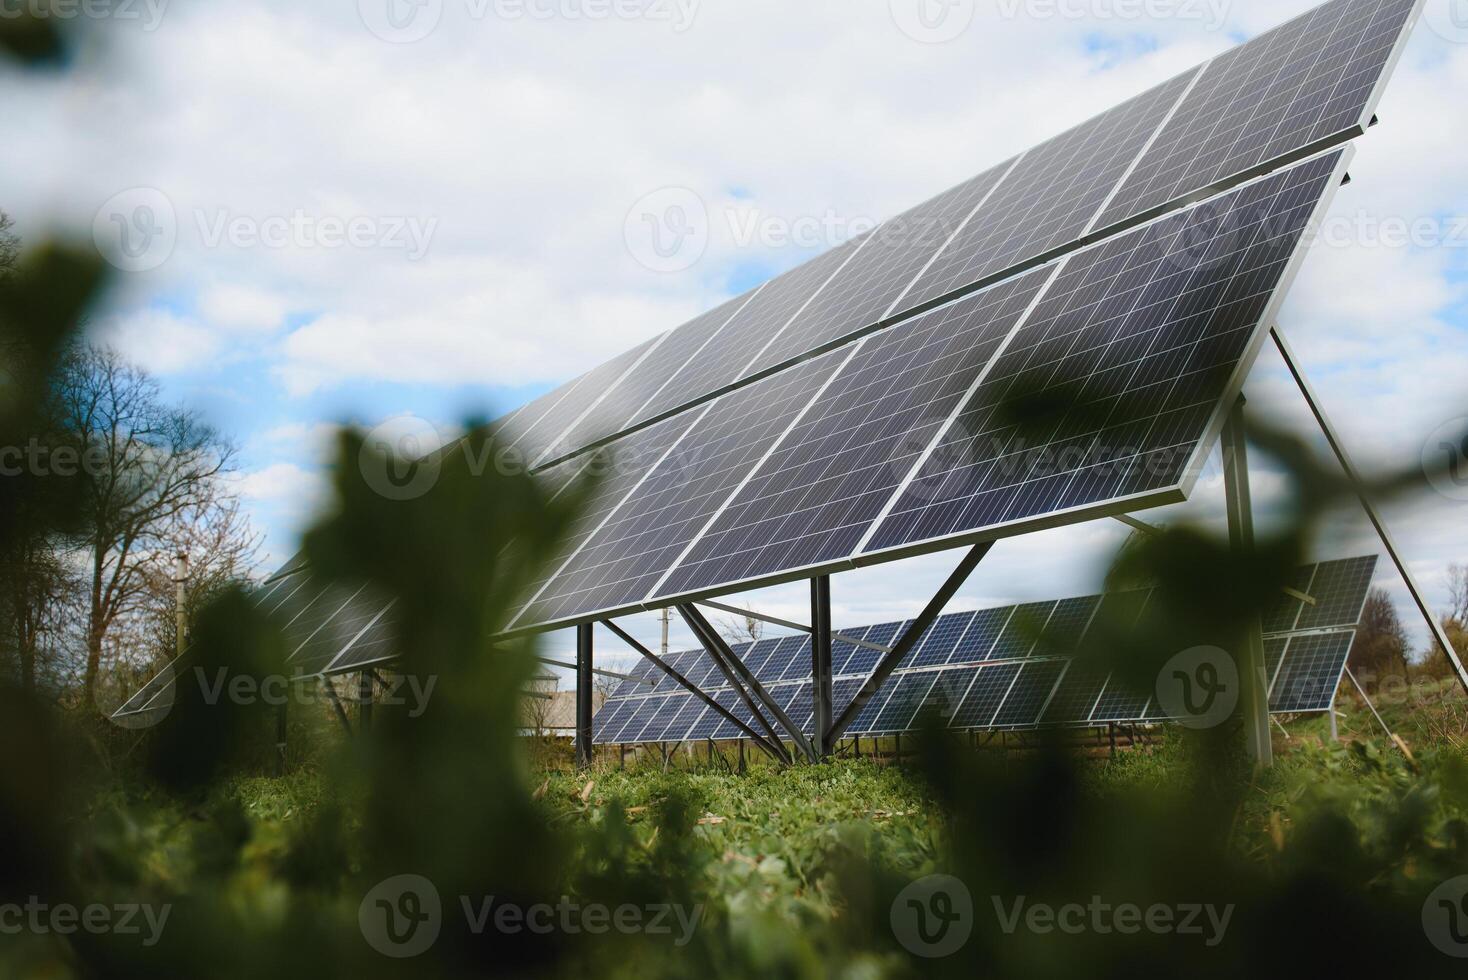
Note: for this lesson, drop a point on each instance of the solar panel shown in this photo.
(636, 395)
(864, 292)
(1312, 80)
(1310, 672)
(1111, 385)
(1048, 678)
(576, 398)
(815, 497)
(1051, 196)
(731, 354)
(619, 564)
(619, 470)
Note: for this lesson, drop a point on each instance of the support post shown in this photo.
(1337, 447)
(583, 695)
(908, 640)
(281, 738)
(683, 682)
(820, 662)
(1254, 698)
(715, 645)
(364, 701)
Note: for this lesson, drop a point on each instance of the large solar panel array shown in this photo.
(1134, 342)
(1303, 87)
(1015, 667)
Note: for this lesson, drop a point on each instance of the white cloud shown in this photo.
(242, 308)
(159, 341)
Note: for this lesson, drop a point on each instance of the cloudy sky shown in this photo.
(380, 208)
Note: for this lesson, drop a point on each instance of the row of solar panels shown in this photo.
(908, 440)
(327, 629)
(1304, 670)
(1301, 87)
(1011, 667)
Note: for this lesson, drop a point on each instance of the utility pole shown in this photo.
(665, 614)
(180, 580)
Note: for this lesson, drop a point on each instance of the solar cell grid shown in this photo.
(636, 396)
(1339, 590)
(1077, 694)
(1310, 672)
(985, 695)
(1305, 81)
(618, 470)
(940, 641)
(580, 396)
(620, 563)
(729, 355)
(1030, 694)
(983, 632)
(861, 294)
(815, 497)
(910, 691)
(1051, 196)
(1110, 385)
(948, 691)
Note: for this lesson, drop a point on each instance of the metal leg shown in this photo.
(1254, 698)
(1354, 477)
(281, 738)
(583, 695)
(909, 639)
(820, 662)
(714, 643)
(659, 663)
(364, 701)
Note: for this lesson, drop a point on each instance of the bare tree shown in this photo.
(151, 469)
(1457, 593)
(740, 628)
(9, 245)
(1381, 644)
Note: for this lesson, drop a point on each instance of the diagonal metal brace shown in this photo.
(909, 640)
(713, 642)
(1338, 447)
(692, 688)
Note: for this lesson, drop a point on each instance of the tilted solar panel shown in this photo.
(1307, 85)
